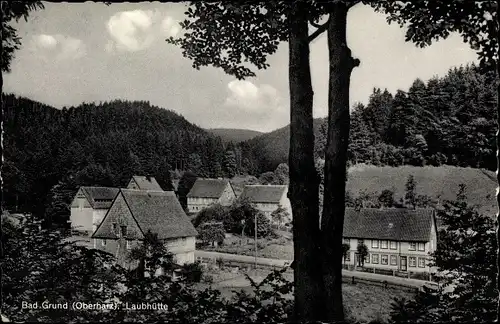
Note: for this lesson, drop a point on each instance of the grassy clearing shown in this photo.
(363, 303)
(435, 182)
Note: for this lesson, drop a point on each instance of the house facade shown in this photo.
(133, 213)
(268, 198)
(143, 183)
(88, 208)
(206, 192)
(397, 239)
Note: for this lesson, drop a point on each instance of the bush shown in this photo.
(211, 232)
(192, 271)
(207, 278)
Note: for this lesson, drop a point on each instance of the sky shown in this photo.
(89, 52)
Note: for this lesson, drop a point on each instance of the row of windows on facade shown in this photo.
(384, 260)
(390, 244)
(129, 242)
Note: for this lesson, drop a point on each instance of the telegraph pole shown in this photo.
(255, 243)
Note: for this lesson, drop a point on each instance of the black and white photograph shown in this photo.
(271, 161)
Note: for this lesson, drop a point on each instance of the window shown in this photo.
(367, 258)
(103, 242)
(394, 245)
(347, 241)
(384, 259)
(413, 246)
(394, 260)
(361, 241)
(375, 258)
(413, 261)
(421, 246)
(124, 230)
(80, 203)
(421, 262)
(383, 244)
(129, 245)
(348, 256)
(115, 228)
(375, 245)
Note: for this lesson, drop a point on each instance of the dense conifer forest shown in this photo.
(49, 153)
(448, 120)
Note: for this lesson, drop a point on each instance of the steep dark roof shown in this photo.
(263, 193)
(156, 211)
(208, 188)
(146, 183)
(100, 197)
(396, 224)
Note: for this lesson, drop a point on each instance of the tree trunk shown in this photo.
(332, 221)
(304, 180)
(498, 159)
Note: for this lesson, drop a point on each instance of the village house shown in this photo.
(135, 212)
(267, 198)
(144, 183)
(206, 192)
(88, 208)
(397, 239)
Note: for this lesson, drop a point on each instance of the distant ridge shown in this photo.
(234, 135)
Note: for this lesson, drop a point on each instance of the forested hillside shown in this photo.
(234, 135)
(448, 120)
(49, 152)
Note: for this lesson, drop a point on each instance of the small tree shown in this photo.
(268, 178)
(229, 165)
(410, 192)
(211, 233)
(192, 272)
(386, 198)
(281, 174)
(151, 254)
(362, 251)
(345, 250)
(263, 225)
(280, 215)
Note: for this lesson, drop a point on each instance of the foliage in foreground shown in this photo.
(42, 265)
(465, 259)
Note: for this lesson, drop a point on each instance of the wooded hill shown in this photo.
(49, 152)
(448, 120)
(233, 134)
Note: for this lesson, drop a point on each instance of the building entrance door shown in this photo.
(403, 263)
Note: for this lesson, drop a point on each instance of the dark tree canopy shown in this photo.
(429, 21)
(13, 11)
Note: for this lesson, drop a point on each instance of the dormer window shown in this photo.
(124, 230)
